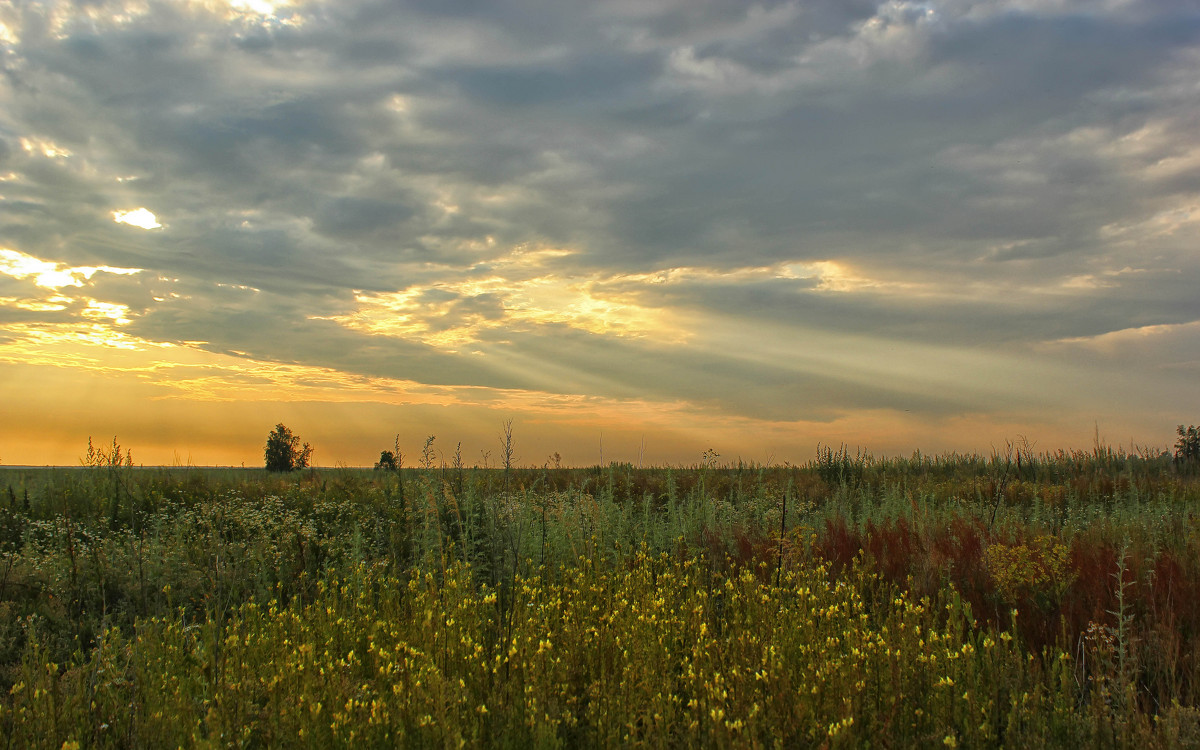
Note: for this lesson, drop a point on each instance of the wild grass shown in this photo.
(1004, 600)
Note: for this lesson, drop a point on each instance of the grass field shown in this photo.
(1012, 600)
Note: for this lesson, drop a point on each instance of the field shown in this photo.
(1011, 600)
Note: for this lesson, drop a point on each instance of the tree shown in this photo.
(284, 452)
(387, 460)
(1187, 448)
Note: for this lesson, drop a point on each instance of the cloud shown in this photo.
(752, 210)
(138, 217)
(49, 275)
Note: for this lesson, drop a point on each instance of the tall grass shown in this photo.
(123, 587)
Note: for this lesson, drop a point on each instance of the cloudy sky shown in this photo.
(637, 228)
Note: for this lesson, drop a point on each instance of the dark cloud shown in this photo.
(593, 81)
(346, 217)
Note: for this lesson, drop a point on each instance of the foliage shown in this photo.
(113, 462)
(717, 606)
(1187, 448)
(387, 460)
(284, 452)
(1036, 567)
(838, 467)
(429, 454)
(508, 447)
(106, 457)
(657, 653)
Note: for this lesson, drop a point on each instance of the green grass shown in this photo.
(853, 601)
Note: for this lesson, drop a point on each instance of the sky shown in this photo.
(638, 229)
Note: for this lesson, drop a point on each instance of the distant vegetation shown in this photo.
(284, 452)
(1187, 448)
(1018, 599)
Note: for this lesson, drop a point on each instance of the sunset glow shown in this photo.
(637, 231)
(138, 217)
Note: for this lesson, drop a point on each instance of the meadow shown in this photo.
(1011, 600)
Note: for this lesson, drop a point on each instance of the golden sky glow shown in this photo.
(95, 348)
(48, 275)
(138, 217)
(638, 230)
(265, 7)
(521, 292)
